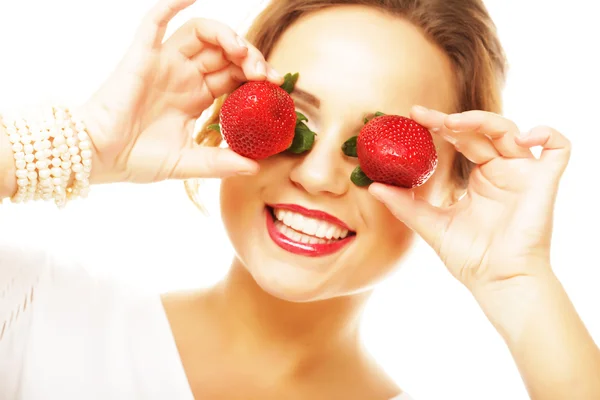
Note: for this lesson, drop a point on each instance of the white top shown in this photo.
(66, 335)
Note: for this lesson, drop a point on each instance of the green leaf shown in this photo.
(359, 178)
(304, 139)
(214, 127)
(349, 147)
(289, 82)
(300, 118)
(379, 114)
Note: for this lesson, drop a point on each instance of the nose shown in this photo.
(323, 169)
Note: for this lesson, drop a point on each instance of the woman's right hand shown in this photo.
(141, 121)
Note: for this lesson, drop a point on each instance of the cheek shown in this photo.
(240, 202)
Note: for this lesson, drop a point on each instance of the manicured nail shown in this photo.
(241, 42)
(261, 69)
(274, 74)
(420, 109)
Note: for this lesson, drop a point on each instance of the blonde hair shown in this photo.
(463, 29)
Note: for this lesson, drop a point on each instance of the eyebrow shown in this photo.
(306, 97)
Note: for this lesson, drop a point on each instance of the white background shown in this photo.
(421, 325)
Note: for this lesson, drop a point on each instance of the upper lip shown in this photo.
(311, 213)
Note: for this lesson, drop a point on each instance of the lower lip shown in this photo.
(303, 249)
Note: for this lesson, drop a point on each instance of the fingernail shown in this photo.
(274, 74)
(241, 42)
(420, 109)
(261, 69)
(524, 134)
(246, 173)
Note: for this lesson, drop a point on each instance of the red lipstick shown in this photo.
(305, 249)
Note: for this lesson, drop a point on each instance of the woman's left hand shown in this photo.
(501, 229)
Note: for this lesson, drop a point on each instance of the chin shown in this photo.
(288, 282)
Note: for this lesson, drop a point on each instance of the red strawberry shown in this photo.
(394, 150)
(259, 120)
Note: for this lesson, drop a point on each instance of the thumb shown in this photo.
(212, 162)
(420, 216)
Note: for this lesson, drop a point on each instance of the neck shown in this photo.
(306, 330)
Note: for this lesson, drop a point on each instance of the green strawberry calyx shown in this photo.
(304, 138)
(349, 147)
(214, 127)
(368, 118)
(359, 178)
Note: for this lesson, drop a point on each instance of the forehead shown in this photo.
(363, 55)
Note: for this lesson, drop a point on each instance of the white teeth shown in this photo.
(297, 236)
(309, 226)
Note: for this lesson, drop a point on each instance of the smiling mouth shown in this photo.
(304, 235)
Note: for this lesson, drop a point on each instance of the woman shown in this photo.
(283, 324)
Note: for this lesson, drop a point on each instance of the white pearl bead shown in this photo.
(77, 167)
(85, 145)
(21, 124)
(56, 153)
(22, 182)
(66, 164)
(48, 153)
(32, 175)
(65, 156)
(15, 138)
(56, 172)
(87, 163)
(87, 169)
(80, 176)
(59, 140)
(19, 156)
(31, 167)
(21, 174)
(38, 146)
(74, 150)
(63, 148)
(71, 141)
(69, 133)
(57, 182)
(47, 144)
(20, 164)
(26, 139)
(28, 148)
(29, 158)
(45, 183)
(40, 155)
(82, 135)
(76, 159)
(17, 147)
(11, 130)
(56, 162)
(79, 126)
(86, 154)
(44, 174)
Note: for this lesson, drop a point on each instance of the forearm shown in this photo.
(553, 350)
(8, 180)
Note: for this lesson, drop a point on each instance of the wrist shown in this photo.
(510, 304)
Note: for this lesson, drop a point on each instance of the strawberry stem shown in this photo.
(289, 82)
(349, 147)
(359, 178)
(214, 127)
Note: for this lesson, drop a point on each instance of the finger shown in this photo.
(212, 162)
(154, 25)
(191, 38)
(476, 148)
(210, 59)
(420, 216)
(224, 81)
(501, 131)
(555, 146)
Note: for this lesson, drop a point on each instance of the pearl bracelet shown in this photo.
(53, 159)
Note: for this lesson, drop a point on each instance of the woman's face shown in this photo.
(301, 228)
